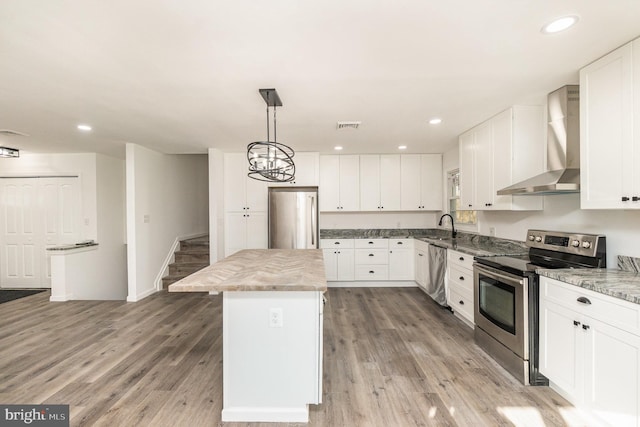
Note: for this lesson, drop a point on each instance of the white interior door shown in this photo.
(36, 213)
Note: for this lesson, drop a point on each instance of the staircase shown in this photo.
(192, 256)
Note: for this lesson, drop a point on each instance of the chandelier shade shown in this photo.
(269, 160)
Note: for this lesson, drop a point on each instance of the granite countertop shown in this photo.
(616, 283)
(472, 244)
(260, 270)
(73, 246)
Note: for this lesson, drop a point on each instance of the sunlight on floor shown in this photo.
(522, 416)
(576, 417)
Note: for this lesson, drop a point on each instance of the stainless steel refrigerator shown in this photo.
(293, 217)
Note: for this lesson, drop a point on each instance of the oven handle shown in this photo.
(495, 275)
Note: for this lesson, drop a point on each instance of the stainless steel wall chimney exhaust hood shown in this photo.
(563, 148)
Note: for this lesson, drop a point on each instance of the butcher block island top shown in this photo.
(260, 270)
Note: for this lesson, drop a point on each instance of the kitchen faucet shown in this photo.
(453, 228)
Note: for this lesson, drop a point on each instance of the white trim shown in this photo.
(171, 258)
(63, 298)
(141, 296)
(374, 284)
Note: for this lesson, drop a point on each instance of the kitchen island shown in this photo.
(272, 318)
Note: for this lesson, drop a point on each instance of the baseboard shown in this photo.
(266, 414)
(374, 284)
(136, 298)
(62, 298)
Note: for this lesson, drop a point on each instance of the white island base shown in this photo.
(272, 355)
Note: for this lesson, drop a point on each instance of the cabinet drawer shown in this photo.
(372, 272)
(336, 243)
(463, 277)
(372, 256)
(401, 243)
(460, 259)
(461, 304)
(607, 309)
(372, 243)
(461, 290)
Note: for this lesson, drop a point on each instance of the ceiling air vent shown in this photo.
(9, 132)
(348, 125)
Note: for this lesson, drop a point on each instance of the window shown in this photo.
(453, 195)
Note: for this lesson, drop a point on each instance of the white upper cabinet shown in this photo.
(339, 189)
(420, 182)
(307, 171)
(610, 130)
(505, 149)
(380, 182)
(242, 193)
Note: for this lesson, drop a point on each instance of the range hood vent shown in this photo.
(563, 148)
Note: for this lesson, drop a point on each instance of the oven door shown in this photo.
(501, 307)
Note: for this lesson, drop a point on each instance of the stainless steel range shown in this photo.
(506, 293)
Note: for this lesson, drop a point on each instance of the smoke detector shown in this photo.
(9, 132)
(348, 125)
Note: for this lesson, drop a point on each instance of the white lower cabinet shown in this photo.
(338, 259)
(401, 259)
(372, 259)
(459, 280)
(590, 350)
(421, 252)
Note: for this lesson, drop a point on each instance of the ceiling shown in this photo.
(183, 76)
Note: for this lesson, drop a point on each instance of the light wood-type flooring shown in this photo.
(392, 357)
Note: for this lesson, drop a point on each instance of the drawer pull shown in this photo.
(420, 255)
(461, 302)
(399, 243)
(585, 327)
(576, 323)
(461, 258)
(462, 278)
(625, 199)
(336, 243)
(370, 254)
(371, 243)
(371, 272)
(584, 300)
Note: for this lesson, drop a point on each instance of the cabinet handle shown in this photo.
(585, 327)
(336, 243)
(462, 278)
(370, 254)
(625, 199)
(371, 243)
(470, 205)
(371, 271)
(584, 300)
(461, 258)
(635, 198)
(419, 254)
(390, 252)
(461, 302)
(576, 323)
(399, 243)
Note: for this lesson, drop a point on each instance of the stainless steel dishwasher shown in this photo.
(435, 277)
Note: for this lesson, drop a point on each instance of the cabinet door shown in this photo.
(561, 342)
(329, 189)
(235, 236)
(346, 265)
(307, 170)
(483, 166)
(235, 182)
(502, 131)
(421, 267)
(370, 182)
(612, 389)
(606, 131)
(401, 264)
(467, 172)
(431, 181)
(257, 231)
(410, 183)
(330, 264)
(390, 182)
(350, 183)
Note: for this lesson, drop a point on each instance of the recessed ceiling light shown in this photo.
(337, 147)
(85, 128)
(559, 24)
(435, 121)
(402, 147)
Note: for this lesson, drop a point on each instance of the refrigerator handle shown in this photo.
(313, 220)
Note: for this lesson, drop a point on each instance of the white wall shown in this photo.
(345, 220)
(563, 213)
(216, 204)
(167, 198)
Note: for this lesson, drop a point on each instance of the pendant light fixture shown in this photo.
(269, 160)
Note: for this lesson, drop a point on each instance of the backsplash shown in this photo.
(627, 263)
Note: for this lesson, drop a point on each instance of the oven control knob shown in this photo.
(531, 237)
(586, 245)
(538, 239)
(575, 243)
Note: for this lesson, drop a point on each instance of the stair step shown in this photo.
(192, 256)
(186, 267)
(197, 243)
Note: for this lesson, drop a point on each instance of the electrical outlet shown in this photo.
(492, 231)
(275, 318)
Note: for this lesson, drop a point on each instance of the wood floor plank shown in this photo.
(392, 357)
